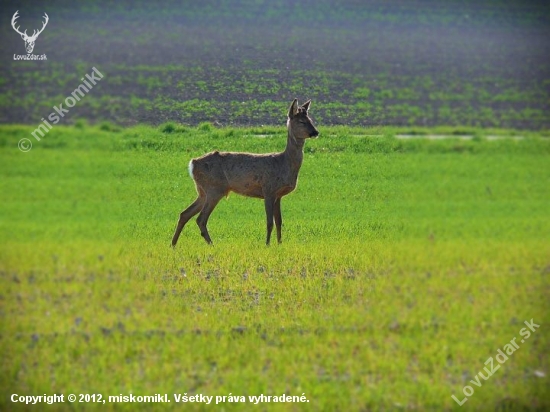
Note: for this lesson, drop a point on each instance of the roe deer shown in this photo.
(265, 176)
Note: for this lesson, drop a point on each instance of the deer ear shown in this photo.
(305, 106)
(293, 109)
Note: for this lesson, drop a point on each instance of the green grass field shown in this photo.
(405, 265)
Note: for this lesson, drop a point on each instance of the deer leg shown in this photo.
(212, 199)
(269, 208)
(278, 218)
(187, 214)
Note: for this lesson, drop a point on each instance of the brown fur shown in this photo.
(264, 176)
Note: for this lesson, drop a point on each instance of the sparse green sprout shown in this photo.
(205, 127)
(168, 127)
(81, 124)
(109, 127)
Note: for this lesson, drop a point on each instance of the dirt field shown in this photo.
(397, 63)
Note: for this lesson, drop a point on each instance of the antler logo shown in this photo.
(29, 40)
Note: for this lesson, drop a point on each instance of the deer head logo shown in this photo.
(29, 40)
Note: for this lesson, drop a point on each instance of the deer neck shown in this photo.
(294, 151)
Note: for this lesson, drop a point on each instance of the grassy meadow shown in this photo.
(405, 265)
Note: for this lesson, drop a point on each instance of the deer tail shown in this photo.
(191, 166)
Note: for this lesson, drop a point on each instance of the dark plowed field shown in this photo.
(399, 63)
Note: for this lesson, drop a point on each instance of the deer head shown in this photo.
(299, 123)
(29, 40)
